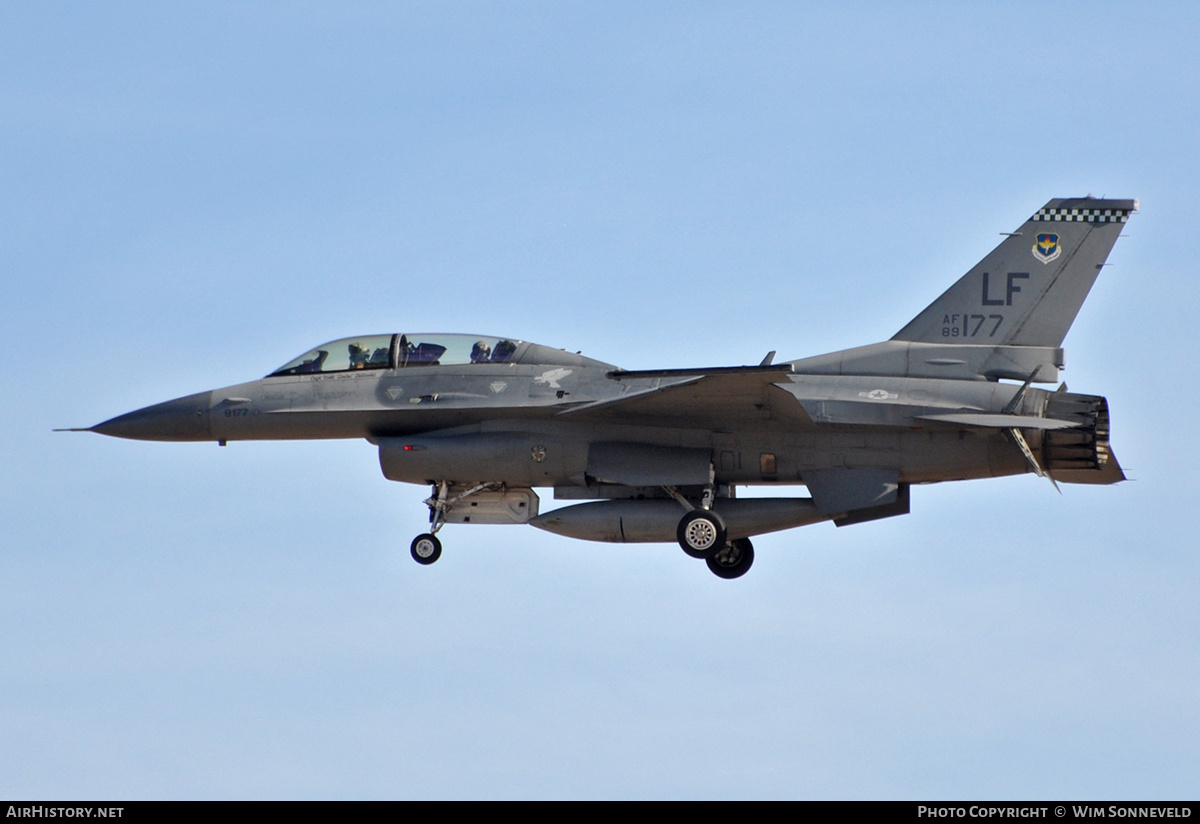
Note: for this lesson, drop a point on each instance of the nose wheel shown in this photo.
(426, 549)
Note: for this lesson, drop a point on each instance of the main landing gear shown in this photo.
(734, 560)
(702, 534)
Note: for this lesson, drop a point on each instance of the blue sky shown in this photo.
(196, 193)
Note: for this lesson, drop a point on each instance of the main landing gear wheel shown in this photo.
(701, 533)
(734, 560)
(426, 549)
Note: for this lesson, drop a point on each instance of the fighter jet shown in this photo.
(658, 456)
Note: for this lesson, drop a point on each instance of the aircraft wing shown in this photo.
(711, 398)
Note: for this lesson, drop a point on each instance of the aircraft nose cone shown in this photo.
(183, 419)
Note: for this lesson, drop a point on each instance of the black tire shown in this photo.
(734, 560)
(701, 533)
(426, 549)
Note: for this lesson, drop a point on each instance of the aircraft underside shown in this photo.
(683, 486)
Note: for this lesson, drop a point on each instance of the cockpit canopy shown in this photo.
(399, 351)
(410, 350)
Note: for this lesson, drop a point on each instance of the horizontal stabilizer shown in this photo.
(999, 421)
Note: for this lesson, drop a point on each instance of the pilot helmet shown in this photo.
(358, 355)
(480, 352)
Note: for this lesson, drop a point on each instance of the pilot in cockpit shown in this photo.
(359, 355)
(481, 352)
(504, 351)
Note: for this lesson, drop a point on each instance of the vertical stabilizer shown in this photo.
(1029, 289)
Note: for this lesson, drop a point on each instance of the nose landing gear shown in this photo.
(426, 548)
(483, 503)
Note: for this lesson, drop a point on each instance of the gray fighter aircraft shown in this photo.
(656, 456)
